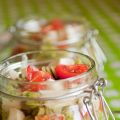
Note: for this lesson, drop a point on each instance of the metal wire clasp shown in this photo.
(97, 89)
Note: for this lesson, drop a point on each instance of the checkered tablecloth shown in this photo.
(103, 15)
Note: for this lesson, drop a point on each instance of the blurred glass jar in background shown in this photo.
(34, 34)
(54, 33)
(73, 98)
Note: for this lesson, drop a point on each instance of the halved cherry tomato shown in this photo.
(35, 75)
(30, 72)
(67, 71)
(57, 24)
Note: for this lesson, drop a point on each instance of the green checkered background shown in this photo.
(103, 15)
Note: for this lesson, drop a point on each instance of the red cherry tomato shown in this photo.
(67, 71)
(57, 24)
(30, 72)
(35, 75)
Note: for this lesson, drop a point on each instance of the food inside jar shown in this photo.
(62, 110)
(53, 30)
(37, 76)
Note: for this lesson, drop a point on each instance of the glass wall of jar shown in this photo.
(33, 86)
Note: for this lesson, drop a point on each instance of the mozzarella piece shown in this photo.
(67, 61)
(13, 74)
(32, 26)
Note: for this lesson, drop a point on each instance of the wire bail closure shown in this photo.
(97, 89)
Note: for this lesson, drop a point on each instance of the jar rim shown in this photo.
(57, 81)
(33, 52)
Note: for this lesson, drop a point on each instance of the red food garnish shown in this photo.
(35, 75)
(57, 117)
(63, 46)
(67, 71)
(34, 87)
(47, 28)
(43, 117)
(57, 24)
(50, 117)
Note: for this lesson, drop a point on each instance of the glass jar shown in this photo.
(38, 32)
(74, 98)
(34, 34)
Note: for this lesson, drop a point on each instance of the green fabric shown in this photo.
(103, 15)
